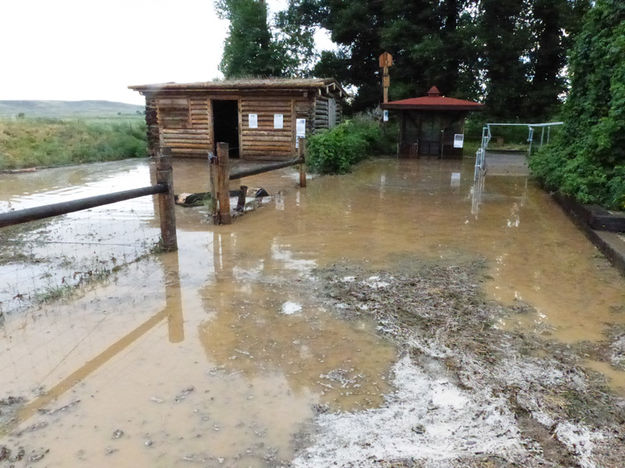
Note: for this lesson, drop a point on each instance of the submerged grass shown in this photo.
(56, 142)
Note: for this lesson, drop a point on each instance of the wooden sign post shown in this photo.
(386, 60)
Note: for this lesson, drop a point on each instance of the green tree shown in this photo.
(433, 44)
(355, 26)
(512, 53)
(505, 35)
(249, 49)
(554, 23)
(295, 37)
(587, 160)
(428, 39)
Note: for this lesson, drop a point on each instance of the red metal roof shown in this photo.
(433, 101)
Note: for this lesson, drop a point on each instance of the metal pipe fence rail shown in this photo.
(163, 188)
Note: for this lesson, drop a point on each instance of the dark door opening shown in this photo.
(430, 141)
(226, 124)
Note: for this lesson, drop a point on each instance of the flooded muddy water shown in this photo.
(221, 354)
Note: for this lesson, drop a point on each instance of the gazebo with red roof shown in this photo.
(429, 123)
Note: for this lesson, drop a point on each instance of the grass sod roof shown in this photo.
(248, 84)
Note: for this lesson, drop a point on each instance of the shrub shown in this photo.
(587, 159)
(335, 151)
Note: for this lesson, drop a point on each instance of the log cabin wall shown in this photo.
(184, 123)
(181, 116)
(267, 141)
(328, 113)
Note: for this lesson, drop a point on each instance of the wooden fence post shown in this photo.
(223, 183)
(302, 166)
(212, 169)
(166, 204)
(241, 200)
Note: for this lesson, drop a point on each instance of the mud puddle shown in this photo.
(249, 348)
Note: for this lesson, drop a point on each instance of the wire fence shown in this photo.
(46, 259)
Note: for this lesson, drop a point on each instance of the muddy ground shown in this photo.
(467, 393)
(473, 383)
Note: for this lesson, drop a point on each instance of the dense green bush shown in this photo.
(335, 151)
(587, 159)
(54, 142)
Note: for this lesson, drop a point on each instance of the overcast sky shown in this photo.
(94, 49)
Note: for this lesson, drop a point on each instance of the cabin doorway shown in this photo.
(226, 124)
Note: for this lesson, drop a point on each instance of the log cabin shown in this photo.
(258, 118)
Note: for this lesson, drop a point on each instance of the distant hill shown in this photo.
(67, 108)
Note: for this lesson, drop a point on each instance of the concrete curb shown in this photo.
(609, 243)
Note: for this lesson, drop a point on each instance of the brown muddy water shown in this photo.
(221, 354)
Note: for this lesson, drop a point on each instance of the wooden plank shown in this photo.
(265, 143)
(179, 146)
(187, 136)
(265, 108)
(268, 148)
(190, 152)
(167, 131)
(173, 103)
(183, 141)
(266, 140)
(270, 133)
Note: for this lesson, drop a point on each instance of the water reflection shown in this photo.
(477, 194)
(171, 313)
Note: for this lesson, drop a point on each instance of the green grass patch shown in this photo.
(55, 142)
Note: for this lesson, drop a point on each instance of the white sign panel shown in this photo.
(278, 121)
(458, 140)
(300, 130)
(385, 115)
(253, 120)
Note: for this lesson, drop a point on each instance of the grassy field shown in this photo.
(42, 142)
(67, 109)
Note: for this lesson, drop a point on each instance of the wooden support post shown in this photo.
(386, 60)
(166, 205)
(241, 200)
(223, 179)
(212, 174)
(302, 166)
